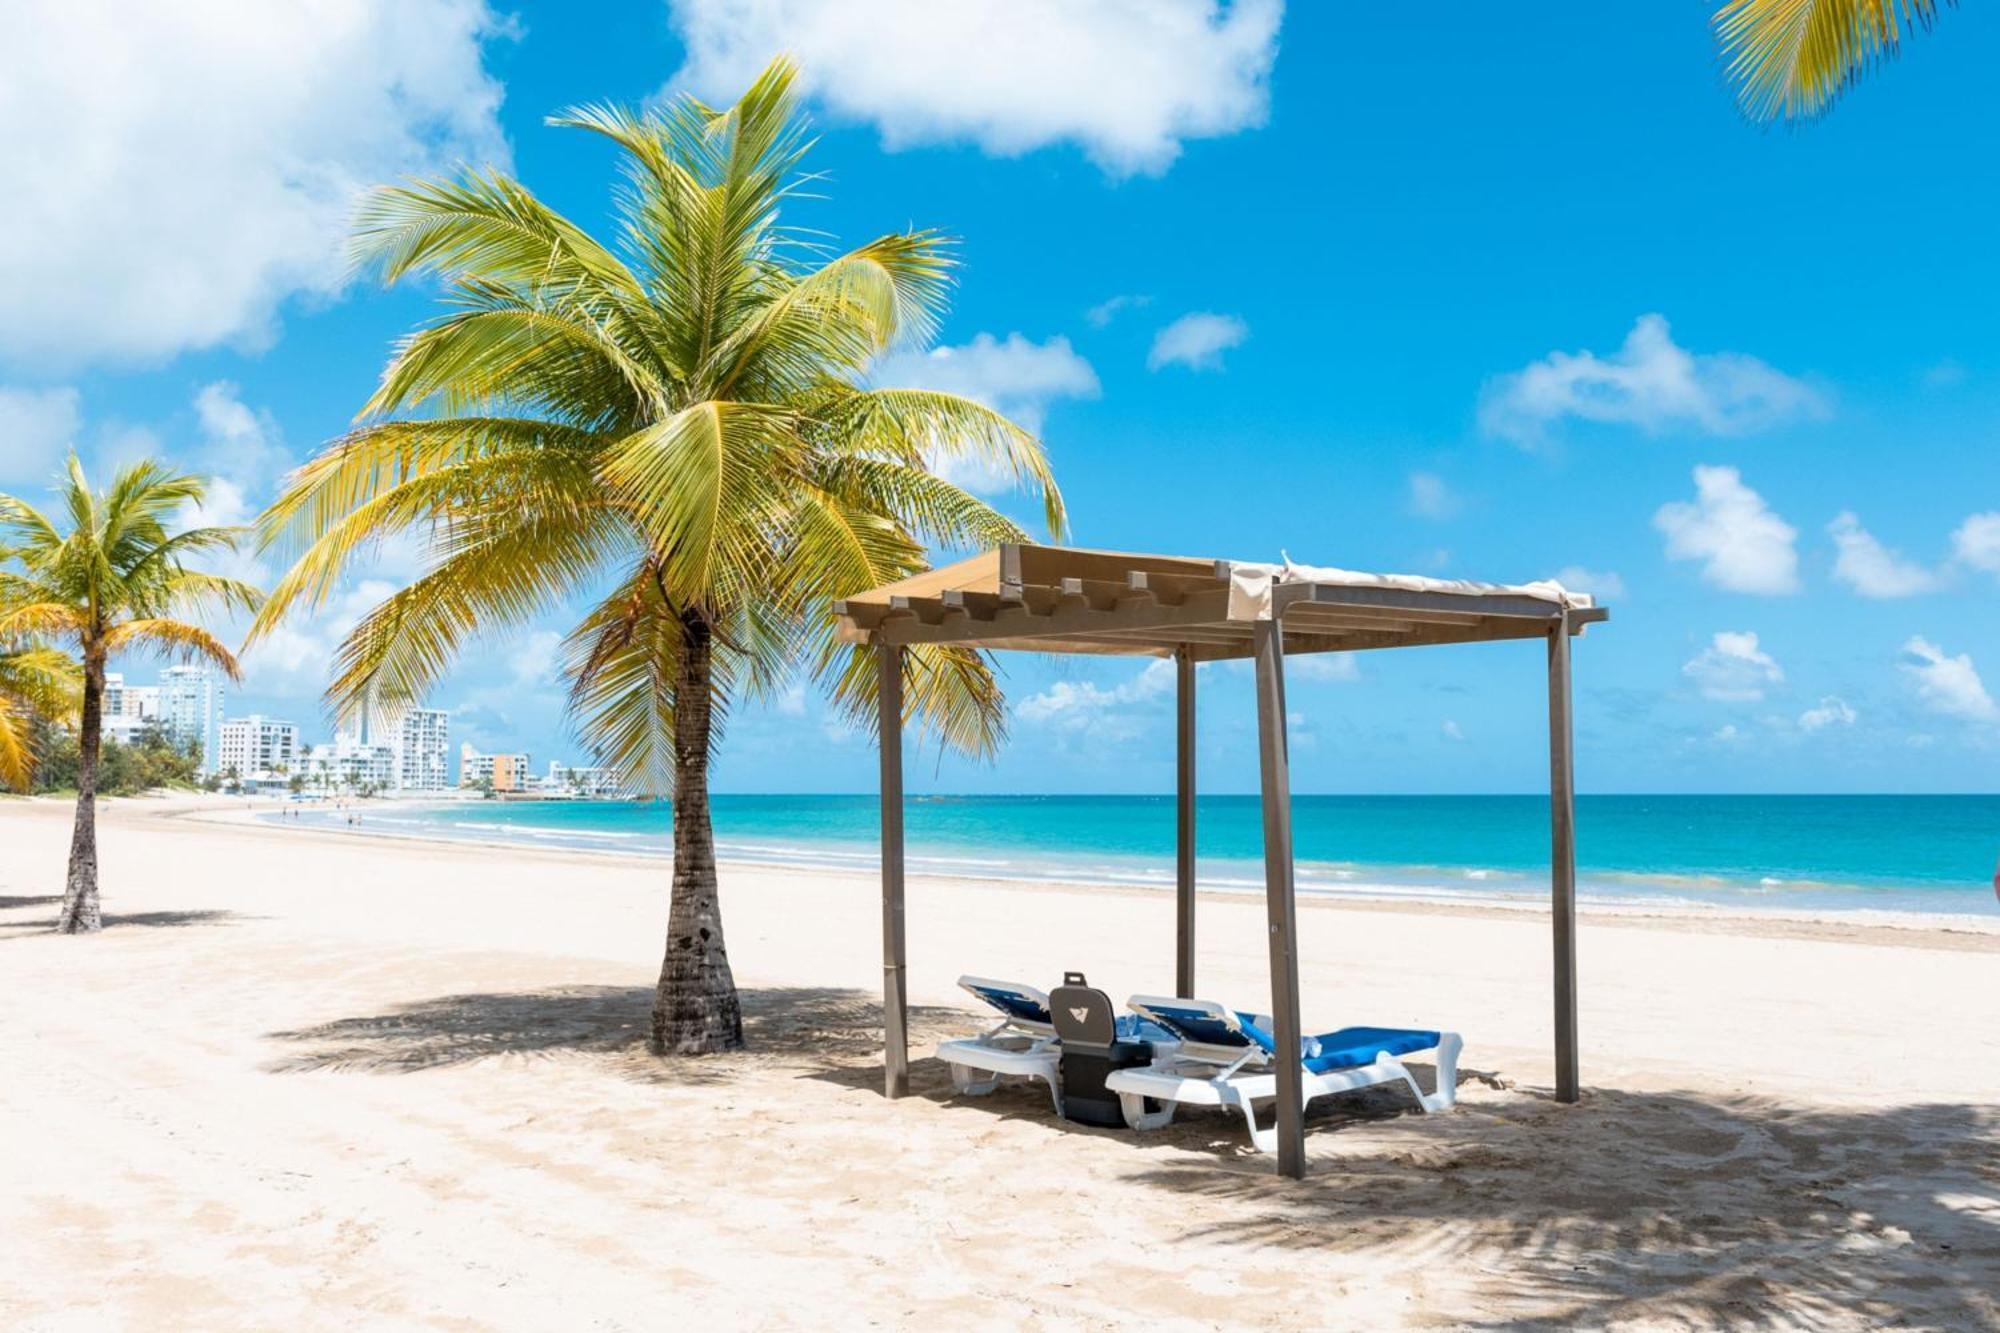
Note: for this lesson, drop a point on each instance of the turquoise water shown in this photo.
(1811, 853)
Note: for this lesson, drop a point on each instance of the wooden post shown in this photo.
(895, 1011)
(1280, 903)
(1184, 827)
(1562, 858)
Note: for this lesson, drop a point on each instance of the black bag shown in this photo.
(1087, 1025)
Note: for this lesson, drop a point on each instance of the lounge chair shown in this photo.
(1024, 1044)
(1225, 1059)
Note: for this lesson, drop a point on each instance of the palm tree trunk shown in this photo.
(695, 1010)
(80, 912)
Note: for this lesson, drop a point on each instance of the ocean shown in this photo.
(1810, 855)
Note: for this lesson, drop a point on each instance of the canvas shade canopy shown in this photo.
(1052, 599)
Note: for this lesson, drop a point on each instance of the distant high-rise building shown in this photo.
(257, 748)
(423, 750)
(128, 709)
(191, 710)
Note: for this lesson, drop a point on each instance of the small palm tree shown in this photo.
(683, 418)
(1790, 59)
(37, 684)
(114, 582)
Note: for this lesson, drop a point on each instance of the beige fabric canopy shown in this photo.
(1056, 599)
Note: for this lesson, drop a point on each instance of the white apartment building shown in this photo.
(506, 772)
(127, 708)
(423, 750)
(351, 764)
(592, 782)
(191, 710)
(257, 748)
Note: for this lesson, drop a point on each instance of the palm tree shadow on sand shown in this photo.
(782, 1025)
(116, 920)
(1673, 1209)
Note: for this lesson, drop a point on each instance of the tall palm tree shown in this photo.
(678, 427)
(1790, 59)
(37, 684)
(114, 582)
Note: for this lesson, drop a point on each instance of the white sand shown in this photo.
(313, 1081)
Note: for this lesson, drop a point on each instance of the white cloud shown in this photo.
(297, 657)
(1743, 545)
(1872, 569)
(1084, 706)
(1948, 685)
(1323, 666)
(532, 657)
(1104, 312)
(175, 172)
(37, 427)
(1432, 497)
(1196, 341)
(1651, 383)
(1976, 542)
(1733, 668)
(1015, 376)
(1599, 583)
(1127, 80)
(1451, 730)
(1831, 712)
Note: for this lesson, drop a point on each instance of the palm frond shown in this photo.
(1790, 59)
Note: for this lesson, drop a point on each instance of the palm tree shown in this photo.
(678, 426)
(112, 583)
(1790, 59)
(37, 684)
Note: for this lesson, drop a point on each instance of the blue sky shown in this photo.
(1496, 297)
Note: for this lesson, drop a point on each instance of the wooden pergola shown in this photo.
(1049, 599)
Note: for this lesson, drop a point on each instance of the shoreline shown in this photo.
(1955, 930)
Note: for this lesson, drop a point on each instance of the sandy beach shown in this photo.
(309, 1080)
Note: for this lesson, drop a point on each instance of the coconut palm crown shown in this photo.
(112, 578)
(677, 431)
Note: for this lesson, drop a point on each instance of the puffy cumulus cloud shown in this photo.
(1742, 544)
(1604, 584)
(1081, 706)
(1829, 712)
(1127, 80)
(1872, 569)
(175, 172)
(1976, 543)
(297, 656)
(1947, 685)
(1733, 668)
(37, 427)
(1651, 383)
(1196, 341)
(1015, 376)
(1432, 497)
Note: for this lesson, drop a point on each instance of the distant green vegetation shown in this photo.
(151, 761)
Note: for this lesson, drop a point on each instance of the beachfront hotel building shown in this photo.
(257, 748)
(191, 711)
(596, 782)
(423, 750)
(505, 772)
(349, 763)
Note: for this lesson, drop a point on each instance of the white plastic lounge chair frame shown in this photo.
(1239, 1076)
(1018, 1047)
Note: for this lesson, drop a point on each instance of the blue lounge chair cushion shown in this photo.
(1201, 1025)
(1349, 1048)
(1013, 1004)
